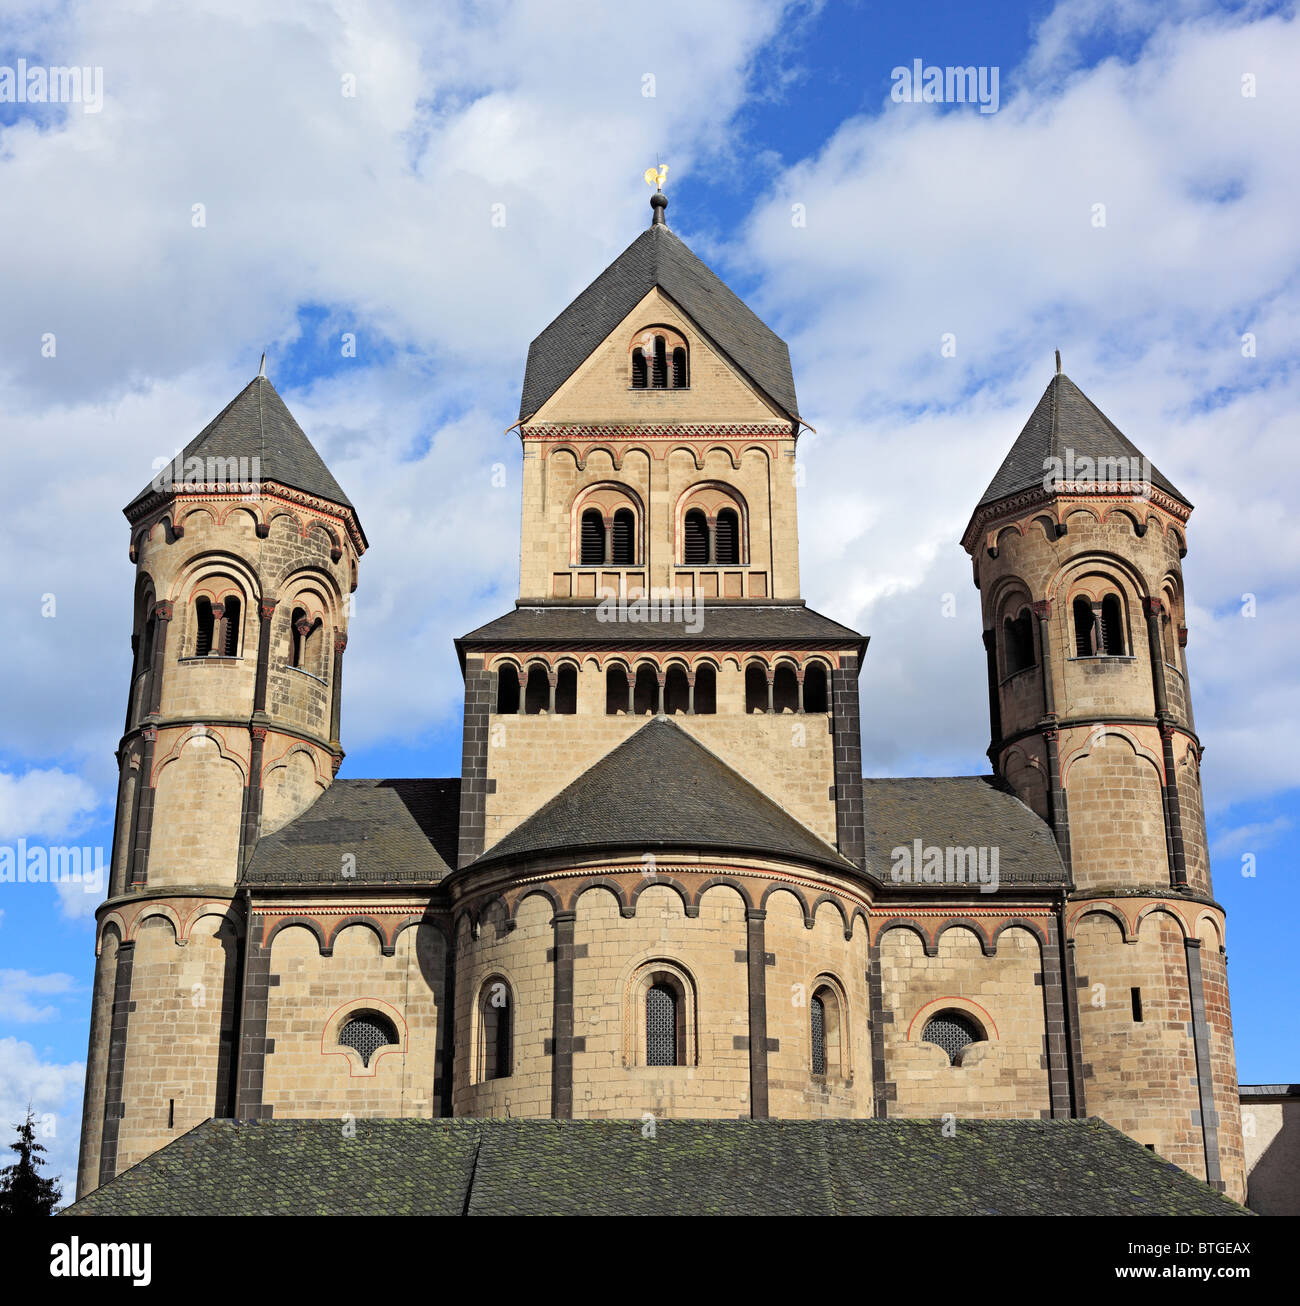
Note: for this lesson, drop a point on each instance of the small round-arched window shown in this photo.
(952, 1031)
(366, 1032)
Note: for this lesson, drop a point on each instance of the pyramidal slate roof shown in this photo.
(658, 258)
(256, 424)
(661, 788)
(466, 1166)
(399, 831)
(1065, 419)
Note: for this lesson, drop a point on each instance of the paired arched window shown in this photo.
(607, 539)
(712, 530)
(217, 627)
(1018, 642)
(660, 359)
(366, 1032)
(304, 641)
(954, 1031)
(1099, 627)
(496, 1018)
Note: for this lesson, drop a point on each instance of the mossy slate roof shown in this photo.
(398, 832)
(688, 1167)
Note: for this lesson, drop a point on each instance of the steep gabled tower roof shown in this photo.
(661, 789)
(1065, 419)
(658, 258)
(256, 424)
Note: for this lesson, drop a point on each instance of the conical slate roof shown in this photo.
(256, 424)
(662, 789)
(1065, 420)
(657, 258)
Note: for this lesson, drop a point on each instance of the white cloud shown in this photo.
(42, 802)
(23, 995)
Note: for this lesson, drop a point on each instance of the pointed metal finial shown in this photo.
(1058, 362)
(261, 371)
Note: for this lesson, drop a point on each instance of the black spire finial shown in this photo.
(1058, 362)
(658, 202)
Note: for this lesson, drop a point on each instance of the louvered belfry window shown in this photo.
(230, 626)
(695, 544)
(1084, 629)
(728, 536)
(593, 538)
(953, 1032)
(1112, 626)
(817, 1013)
(661, 1025)
(204, 622)
(640, 372)
(659, 368)
(623, 544)
(366, 1032)
(679, 368)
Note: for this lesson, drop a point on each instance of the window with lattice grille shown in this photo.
(366, 1032)
(817, 1012)
(953, 1032)
(661, 1003)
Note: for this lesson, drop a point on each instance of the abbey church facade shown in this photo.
(660, 885)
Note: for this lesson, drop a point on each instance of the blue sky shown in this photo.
(326, 213)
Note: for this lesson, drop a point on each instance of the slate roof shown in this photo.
(657, 258)
(466, 1166)
(789, 624)
(1065, 418)
(662, 789)
(257, 424)
(958, 812)
(400, 831)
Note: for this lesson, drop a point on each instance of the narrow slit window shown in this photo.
(817, 1014)
(1135, 997)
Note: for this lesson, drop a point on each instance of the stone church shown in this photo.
(660, 887)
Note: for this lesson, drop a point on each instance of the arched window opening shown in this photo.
(1018, 642)
(537, 691)
(1085, 629)
(817, 1013)
(297, 636)
(677, 692)
(1112, 626)
(659, 372)
(663, 1014)
(785, 689)
(507, 688)
(645, 697)
(566, 690)
(695, 541)
(640, 372)
(203, 627)
(623, 545)
(679, 368)
(593, 538)
(706, 690)
(728, 538)
(230, 627)
(495, 1020)
(617, 693)
(954, 1032)
(816, 696)
(366, 1032)
(1167, 633)
(146, 653)
(755, 688)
